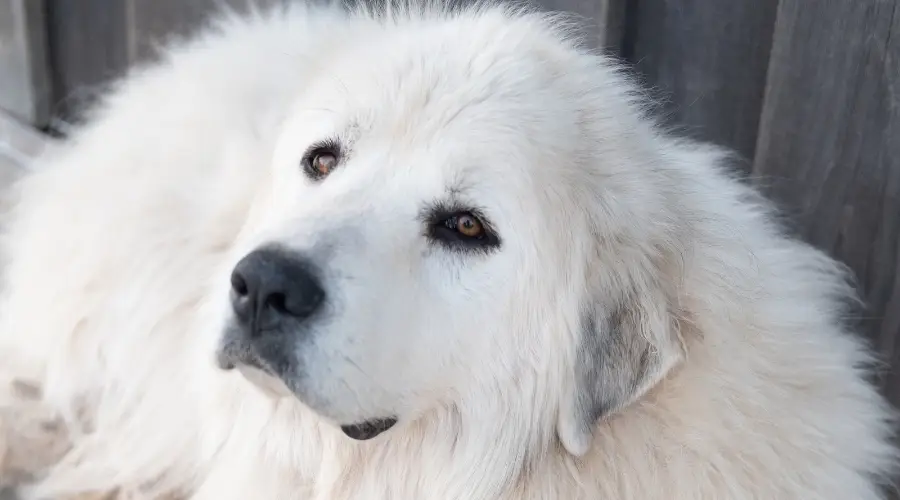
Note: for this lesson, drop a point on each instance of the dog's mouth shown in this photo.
(368, 429)
(240, 357)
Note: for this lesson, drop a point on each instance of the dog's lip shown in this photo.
(234, 354)
(225, 363)
(368, 429)
(228, 362)
(253, 371)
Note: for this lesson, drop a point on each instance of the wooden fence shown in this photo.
(808, 91)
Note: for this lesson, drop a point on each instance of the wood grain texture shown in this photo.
(604, 20)
(829, 146)
(707, 59)
(92, 42)
(154, 22)
(88, 45)
(19, 142)
(24, 79)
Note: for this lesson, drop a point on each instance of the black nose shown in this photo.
(273, 286)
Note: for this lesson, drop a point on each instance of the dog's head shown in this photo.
(463, 211)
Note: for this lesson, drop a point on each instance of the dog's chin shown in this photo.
(269, 385)
(275, 388)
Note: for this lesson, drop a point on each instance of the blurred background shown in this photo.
(808, 92)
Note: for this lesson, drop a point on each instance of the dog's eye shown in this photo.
(462, 230)
(320, 160)
(323, 163)
(467, 225)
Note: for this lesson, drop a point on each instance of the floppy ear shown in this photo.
(622, 354)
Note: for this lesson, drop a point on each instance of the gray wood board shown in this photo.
(154, 22)
(96, 41)
(604, 20)
(706, 60)
(19, 142)
(24, 82)
(829, 147)
(89, 46)
(93, 42)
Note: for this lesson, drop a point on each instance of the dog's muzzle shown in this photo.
(274, 295)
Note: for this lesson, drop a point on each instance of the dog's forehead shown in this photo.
(480, 117)
(424, 83)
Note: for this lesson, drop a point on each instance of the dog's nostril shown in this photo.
(238, 284)
(278, 302)
(299, 303)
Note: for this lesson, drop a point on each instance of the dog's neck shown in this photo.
(489, 455)
(461, 460)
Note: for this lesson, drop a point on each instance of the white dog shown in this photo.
(421, 254)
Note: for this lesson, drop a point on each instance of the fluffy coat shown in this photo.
(646, 329)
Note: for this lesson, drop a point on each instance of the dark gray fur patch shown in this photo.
(613, 359)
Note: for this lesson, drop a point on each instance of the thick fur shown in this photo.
(645, 330)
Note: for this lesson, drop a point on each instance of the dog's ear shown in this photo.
(623, 352)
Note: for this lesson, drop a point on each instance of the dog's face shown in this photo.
(427, 236)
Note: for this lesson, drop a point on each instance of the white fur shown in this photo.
(121, 246)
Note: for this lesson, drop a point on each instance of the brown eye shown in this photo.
(469, 226)
(460, 229)
(321, 159)
(323, 163)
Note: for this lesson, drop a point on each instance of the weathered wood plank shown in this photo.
(153, 22)
(96, 41)
(19, 142)
(829, 147)
(604, 19)
(24, 81)
(708, 58)
(89, 45)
